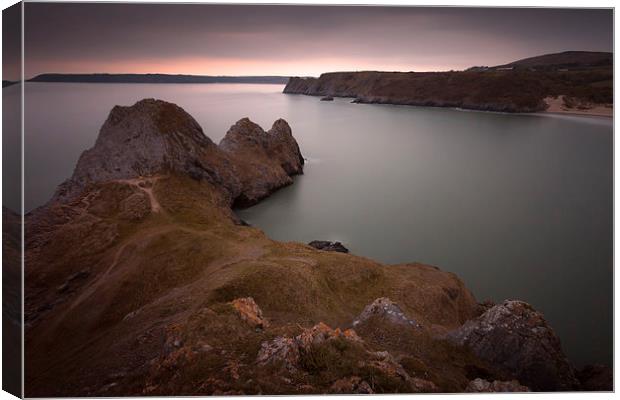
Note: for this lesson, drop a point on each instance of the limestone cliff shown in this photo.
(156, 137)
(518, 90)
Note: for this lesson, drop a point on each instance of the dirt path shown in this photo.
(146, 185)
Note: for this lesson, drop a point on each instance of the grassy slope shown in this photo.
(150, 277)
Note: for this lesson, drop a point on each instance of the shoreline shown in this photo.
(594, 112)
(557, 106)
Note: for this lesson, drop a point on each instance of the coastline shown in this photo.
(556, 106)
(598, 111)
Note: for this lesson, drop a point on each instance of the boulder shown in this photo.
(351, 385)
(387, 309)
(386, 363)
(479, 385)
(328, 246)
(249, 312)
(515, 337)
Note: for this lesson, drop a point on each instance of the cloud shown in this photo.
(188, 38)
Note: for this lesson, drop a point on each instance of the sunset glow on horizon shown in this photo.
(202, 39)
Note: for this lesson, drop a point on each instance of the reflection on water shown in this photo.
(518, 206)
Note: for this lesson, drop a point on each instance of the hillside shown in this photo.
(567, 59)
(154, 78)
(480, 88)
(141, 280)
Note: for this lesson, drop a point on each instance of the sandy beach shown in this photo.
(556, 105)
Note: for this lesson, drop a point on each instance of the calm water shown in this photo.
(518, 206)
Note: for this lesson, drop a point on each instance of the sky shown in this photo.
(296, 40)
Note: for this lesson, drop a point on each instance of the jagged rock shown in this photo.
(351, 385)
(328, 246)
(385, 308)
(150, 137)
(266, 160)
(596, 378)
(479, 385)
(280, 349)
(386, 363)
(250, 312)
(321, 333)
(287, 350)
(156, 137)
(516, 337)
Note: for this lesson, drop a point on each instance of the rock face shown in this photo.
(481, 386)
(250, 312)
(514, 336)
(265, 160)
(328, 246)
(156, 137)
(385, 308)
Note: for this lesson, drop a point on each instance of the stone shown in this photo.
(515, 337)
(479, 385)
(287, 350)
(386, 363)
(385, 308)
(327, 98)
(249, 312)
(351, 385)
(328, 246)
(281, 349)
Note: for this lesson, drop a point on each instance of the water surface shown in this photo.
(518, 206)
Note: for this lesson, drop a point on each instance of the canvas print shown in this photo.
(230, 199)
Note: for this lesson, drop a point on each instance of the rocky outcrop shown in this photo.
(516, 337)
(289, 350)
(351, 385)
(328, 246)
(307, 351)
(265, 160)
(386, 309)
(479, 385)
(250, 312)
(156, 137)
(489, 90)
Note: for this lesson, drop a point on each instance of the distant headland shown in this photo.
(577, 82)
(155, 78)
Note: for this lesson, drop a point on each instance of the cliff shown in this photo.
(511, 88)
(155, 137)
(140, 280)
